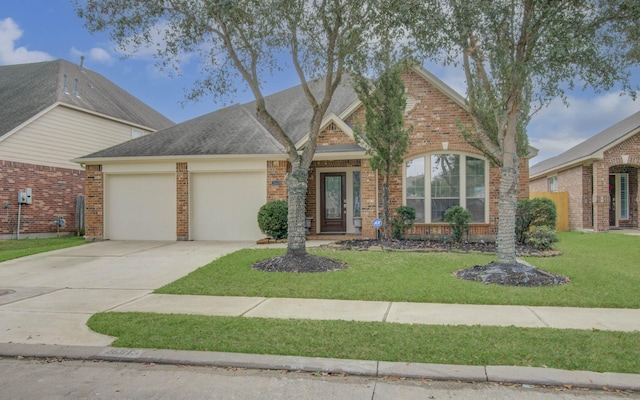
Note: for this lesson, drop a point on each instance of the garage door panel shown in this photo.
(224, 206)
(140, 207)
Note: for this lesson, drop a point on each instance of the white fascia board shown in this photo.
(347, 155)
(105, 116)
(144, 159)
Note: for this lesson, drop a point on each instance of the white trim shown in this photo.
(177, 158)
(105, 116)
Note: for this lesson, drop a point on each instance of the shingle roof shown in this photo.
(235, 129)
(591, 147)
(27, 89)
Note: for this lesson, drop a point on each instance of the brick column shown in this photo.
(276, 184)
(601, 196)
(182, 201)
(94, 203)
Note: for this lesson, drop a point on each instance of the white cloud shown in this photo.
(96, 54)
(10, 32)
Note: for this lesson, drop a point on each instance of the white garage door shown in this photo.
(224, 205)
(140, 207)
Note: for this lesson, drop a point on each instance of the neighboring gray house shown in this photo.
(601, 177)
(52, 112)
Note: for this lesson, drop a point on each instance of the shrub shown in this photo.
(541, 237)
(534, 212)
(272, 219)
(403, 221)
(458, 219)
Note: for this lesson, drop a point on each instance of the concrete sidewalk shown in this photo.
(627, 320)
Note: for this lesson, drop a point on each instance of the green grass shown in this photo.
(603, 268)
(10, 249)
(467, 345)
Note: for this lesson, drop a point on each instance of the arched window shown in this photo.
(435, 182)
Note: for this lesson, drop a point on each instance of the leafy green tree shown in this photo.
(384, 136)
(248, 39)
(517, 56)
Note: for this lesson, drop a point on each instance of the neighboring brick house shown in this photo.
(206, 178)
(52, 112)
(601, 177)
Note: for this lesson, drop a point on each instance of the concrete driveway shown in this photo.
(48, 298)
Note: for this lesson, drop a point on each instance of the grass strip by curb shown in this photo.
(599, 351)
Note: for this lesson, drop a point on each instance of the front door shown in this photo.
(333, 202)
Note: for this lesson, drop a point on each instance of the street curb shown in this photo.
(497, 374)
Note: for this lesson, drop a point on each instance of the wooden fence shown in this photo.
(561, 199)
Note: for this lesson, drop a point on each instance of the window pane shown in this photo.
(445, 176)
(333, 196)
(476, 208)
(415, 179)
(624, 196)
(475, 178)
(418, 205)
(440, 206)
(356, 193)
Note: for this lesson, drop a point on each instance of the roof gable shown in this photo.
(592, 148)
(28, 89)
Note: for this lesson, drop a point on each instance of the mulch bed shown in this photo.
(297, 263)
(438, 246)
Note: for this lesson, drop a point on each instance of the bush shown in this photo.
(272, 219)
(541, 237)
(534, 212)
(403, 221)
(458, 219)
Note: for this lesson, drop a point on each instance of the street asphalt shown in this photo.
(46, 300)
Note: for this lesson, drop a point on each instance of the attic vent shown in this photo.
(411, 104)
(64, 85)
(75, 90)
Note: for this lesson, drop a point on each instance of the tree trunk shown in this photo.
(506, 241)
(386, 214)
(297, 192)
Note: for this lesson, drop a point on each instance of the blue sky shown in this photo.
(39, 30)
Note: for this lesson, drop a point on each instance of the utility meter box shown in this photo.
(25, 197)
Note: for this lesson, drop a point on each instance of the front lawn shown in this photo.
(10, 249)
(603, 268)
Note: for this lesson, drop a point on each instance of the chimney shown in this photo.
(81, 62)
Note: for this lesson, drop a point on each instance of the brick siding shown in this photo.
(54, 194)
(94, 203)
(182, 201)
